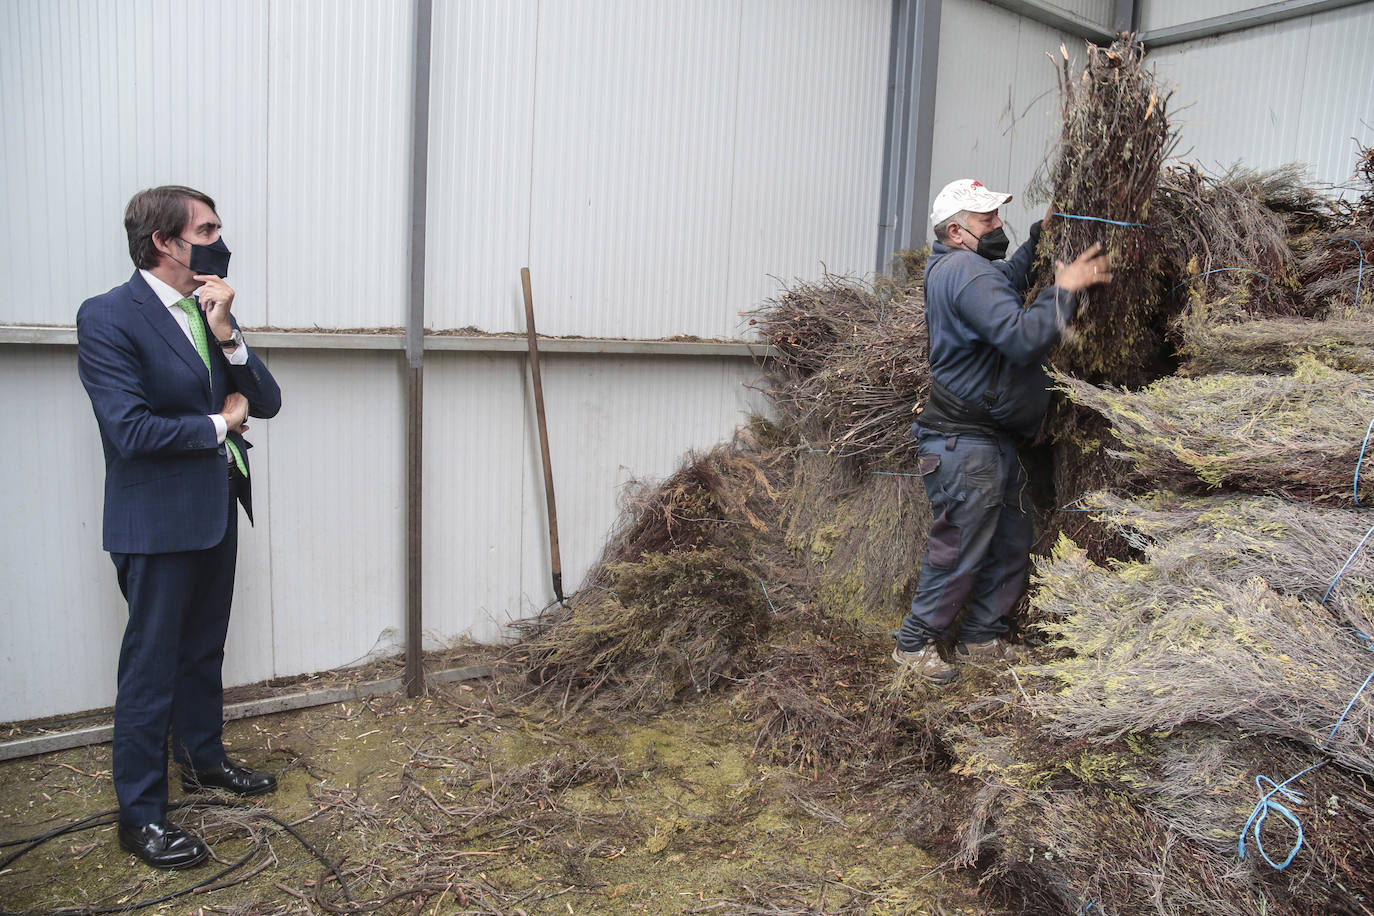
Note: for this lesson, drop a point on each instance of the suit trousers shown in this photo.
(978, 552)
(170, 668)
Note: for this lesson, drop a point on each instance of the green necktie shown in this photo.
(197, 323)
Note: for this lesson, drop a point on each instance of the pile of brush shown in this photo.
(1103, 179)
(1226, 649)
(850, 366)
(1205, 606)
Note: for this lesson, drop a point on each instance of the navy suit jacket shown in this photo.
(166, 483)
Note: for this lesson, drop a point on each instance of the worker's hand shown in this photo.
(216, 298)
(1092, 267)
(235, 412)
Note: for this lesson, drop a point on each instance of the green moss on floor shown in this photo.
(469, 801)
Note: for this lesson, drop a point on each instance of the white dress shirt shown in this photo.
(170, 298)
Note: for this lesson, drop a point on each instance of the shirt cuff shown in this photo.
(239, 357)
(221, 427)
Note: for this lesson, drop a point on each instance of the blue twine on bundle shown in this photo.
(1098, 219)
(1266, 804)
(1361, 461)
(892, 474)
(1087, 906)
(605, 589)
(1351, 705)
(1222, 270)
(1348, 560)
(767, 598)
(1359, 277)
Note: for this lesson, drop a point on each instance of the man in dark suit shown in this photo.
(172, 383)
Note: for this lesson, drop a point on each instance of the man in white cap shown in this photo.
(988, 394)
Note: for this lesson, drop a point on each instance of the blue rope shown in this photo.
(1350, 559)
(1087, 906)
(1350, 705)
(1098, 219)
(893, 474)
(766, 598)
(604, 589)
(1359, 277)
(1361, 461)
(1222, 270)
(1266, 805)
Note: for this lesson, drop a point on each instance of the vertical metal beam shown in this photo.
(415, 352)
(1124, 14)
(913, 59)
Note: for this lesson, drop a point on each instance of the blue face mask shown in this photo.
(210, 259)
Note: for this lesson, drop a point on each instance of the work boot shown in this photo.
(987, 654)
(927, 663)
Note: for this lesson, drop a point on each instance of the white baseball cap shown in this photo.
(965, 194)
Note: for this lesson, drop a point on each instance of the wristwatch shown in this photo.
(235, 339)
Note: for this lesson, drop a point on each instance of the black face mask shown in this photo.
(992, 244)
(210, 259)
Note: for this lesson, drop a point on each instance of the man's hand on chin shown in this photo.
(216, 299)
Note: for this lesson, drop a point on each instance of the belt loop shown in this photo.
(951, 442)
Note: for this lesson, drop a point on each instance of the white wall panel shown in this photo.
(481, 143)
(1161, 14)
(337, 176)
(61, 614)
(475, 488)
(996, 114)
(1098, 12)
(100, 99)
(611, 420)
(809, 126)
(631, 178)
(336, 534)
(1313, 95)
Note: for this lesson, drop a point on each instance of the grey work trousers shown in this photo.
(979, 547)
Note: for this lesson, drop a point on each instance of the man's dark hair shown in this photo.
(166, 210)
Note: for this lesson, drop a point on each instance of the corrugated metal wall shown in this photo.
(1295, 91)
(652, 163)
(1098, 12)
(1161, 14)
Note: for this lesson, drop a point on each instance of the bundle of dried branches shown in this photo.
(1336, 265)
(679, 595)
(1297, 548)
(1296, 435)
(1151, 824)
(1274, 345)
(851, 368)
(667, 623)
(858, 535)
(822, 703)
(1157, 649)
(1225, 243)
(1115, 138)
(1081, 460)
(1335, 257)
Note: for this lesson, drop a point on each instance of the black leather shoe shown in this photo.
(230, 777)
(163, 845)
